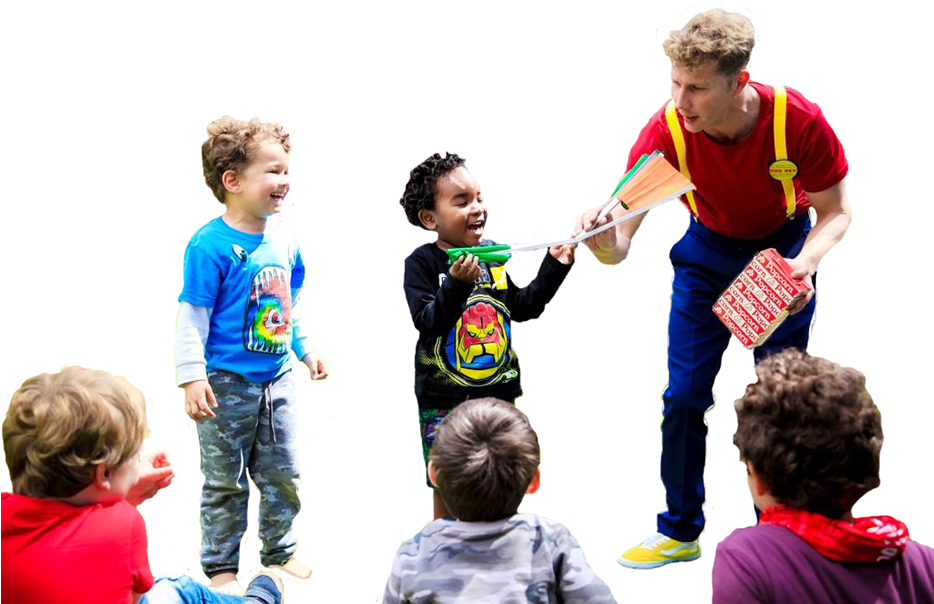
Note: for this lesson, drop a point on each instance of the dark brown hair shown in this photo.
(485, 456)
(810, 430)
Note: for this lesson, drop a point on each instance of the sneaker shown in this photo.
(226, 584)
(266, 587)
(659, 550)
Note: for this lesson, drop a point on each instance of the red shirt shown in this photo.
(54, 552)
(735, 194)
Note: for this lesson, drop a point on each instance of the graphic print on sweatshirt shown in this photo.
(268, 324)
(477, 347)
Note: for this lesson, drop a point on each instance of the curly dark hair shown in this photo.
(485, 454)
(810, 430)
(420, 190)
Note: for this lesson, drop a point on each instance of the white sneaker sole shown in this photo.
(647, 565)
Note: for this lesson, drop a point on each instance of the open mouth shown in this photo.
(476, 227)
(279, 197)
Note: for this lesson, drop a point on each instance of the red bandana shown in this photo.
(870, 539)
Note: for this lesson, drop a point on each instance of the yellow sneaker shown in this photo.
(659, 550)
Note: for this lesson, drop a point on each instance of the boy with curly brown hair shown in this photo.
(238, 324)
(810, 436)
(484, 460)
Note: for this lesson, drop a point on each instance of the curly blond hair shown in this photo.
(810, 430)
(715, 35)
(61, 425)
(232, 144)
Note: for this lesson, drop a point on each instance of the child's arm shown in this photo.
(435, 308)
(529, 302)
(191, 335)
(304, 351)
(317, 364)
(155, 473)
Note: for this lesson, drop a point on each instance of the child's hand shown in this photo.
(563, 253)
(155, 473)
(317, 365)
(465, 269)
(199, 398)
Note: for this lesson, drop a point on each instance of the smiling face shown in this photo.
(459, 214)
(703, 96)
(259, 189)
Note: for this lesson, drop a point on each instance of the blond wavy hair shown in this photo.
(61, 425)
(232, 144)
(715, 35)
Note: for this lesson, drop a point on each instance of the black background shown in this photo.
(545, 110)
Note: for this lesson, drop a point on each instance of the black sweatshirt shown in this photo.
(464, 347)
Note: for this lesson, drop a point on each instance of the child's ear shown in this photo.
(427, 218)
(536, 482)
(432, 472)
(101, 477)
(758, 484)
(231, 181)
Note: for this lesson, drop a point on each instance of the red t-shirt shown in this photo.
(56, 552)
(735, 194)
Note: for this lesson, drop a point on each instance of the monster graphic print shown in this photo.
(267, 327)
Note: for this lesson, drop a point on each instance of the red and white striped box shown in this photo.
(756, 302)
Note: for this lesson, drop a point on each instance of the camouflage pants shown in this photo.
(254, 431)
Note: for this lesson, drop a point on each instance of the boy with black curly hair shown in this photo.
(484, 461)
(810, 436)
(464, 312)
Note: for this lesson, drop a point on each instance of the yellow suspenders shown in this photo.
(782, 169)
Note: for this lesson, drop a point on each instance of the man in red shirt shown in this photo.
(760, 157)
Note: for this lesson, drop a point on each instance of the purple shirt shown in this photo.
(768, 563)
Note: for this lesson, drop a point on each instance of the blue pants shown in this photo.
(185, 590)
(705, 263)
(254, 431)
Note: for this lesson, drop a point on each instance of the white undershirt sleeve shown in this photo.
(191, 335)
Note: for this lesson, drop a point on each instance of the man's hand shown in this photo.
(317, 365)
(465, 269)
(155, 473)
(587, 221)
(802, 270)
(199, 398)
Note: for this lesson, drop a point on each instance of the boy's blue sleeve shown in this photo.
(202, 275)
(299, 338)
